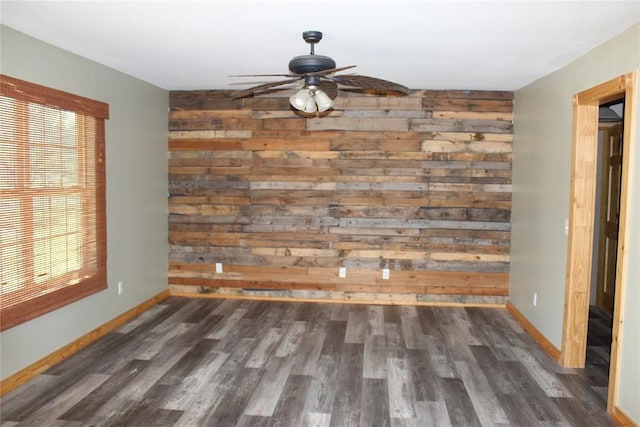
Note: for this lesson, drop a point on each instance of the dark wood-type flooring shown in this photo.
(210, 362)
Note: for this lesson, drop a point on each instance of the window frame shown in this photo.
(73, 290)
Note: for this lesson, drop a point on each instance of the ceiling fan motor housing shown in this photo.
(310, 64)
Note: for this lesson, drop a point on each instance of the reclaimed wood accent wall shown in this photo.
(420, 185)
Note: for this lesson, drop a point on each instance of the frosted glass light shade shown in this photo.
(323, 101)
(301, 98)
(310, 107)
(311, 99)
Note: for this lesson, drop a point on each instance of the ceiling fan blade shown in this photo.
(329, 71)
(366, 82)
(255, 89)
(330, 88)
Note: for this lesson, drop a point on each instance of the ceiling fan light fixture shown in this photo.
(311, 106)
(301, 98)
(311, 99)
(323, 101)
(318, 72)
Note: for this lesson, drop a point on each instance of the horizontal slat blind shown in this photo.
(52, 208)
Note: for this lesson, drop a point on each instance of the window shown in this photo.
(52, 199)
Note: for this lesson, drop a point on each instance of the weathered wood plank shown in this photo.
(419, 184)
(449, 104)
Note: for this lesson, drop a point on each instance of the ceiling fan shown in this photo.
(320, 83)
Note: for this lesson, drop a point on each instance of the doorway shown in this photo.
(605, 243)
(582, 212)
(607, 204)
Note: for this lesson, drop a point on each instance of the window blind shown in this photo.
(52, 199)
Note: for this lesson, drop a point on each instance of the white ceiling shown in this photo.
(480, 45)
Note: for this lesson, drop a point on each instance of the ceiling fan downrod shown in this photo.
(312, 37)
(311, 63)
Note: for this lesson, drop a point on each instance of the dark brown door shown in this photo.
(609, 217)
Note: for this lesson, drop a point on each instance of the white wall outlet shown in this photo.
(342, 273)
(218, 267)
(566, 226)
(120, 287)
(385, 273)
(535, 299)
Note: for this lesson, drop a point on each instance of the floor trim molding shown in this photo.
(59, 355)
(537, 336)
(442, 300)
(621, 418)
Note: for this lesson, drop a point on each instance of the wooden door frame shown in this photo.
(581, 222)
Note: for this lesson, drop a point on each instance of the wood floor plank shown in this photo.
(156, 342)
(540, 403)
(589, 397)
(219, 362)
(518, 410)
(253, 421)
(134, 392)
(267, 392)
(420, 365)
(85, 408)
(187, 391)
(374, 358)
(459, 407)
(149, 408)
(213, 392)
(375, 403)
(412, 333)
(357, 325)
(485, 403)
(316, 419)
(348, 388)
(375, 320)
(292, 339)
(433, 414)
(574, 413)
(145, 317)
(266, 348)
(58, 405)
(208, 400)
(394, 341)
(235, 399)
(322, 389)
(224, 327)
(493, 370)
(36, 393)
(292, 398)
(444, 367)
(308, 353)
(548, 381)
(334, 340)
(391, 313)
(456, 339)
(400, 388)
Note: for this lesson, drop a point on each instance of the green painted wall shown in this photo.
(136, 154)
(541, 180)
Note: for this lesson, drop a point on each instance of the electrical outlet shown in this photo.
(535, 299)
(385, 273)
(566, 226)
(120, 287)
(218, 267)
(342, 273)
